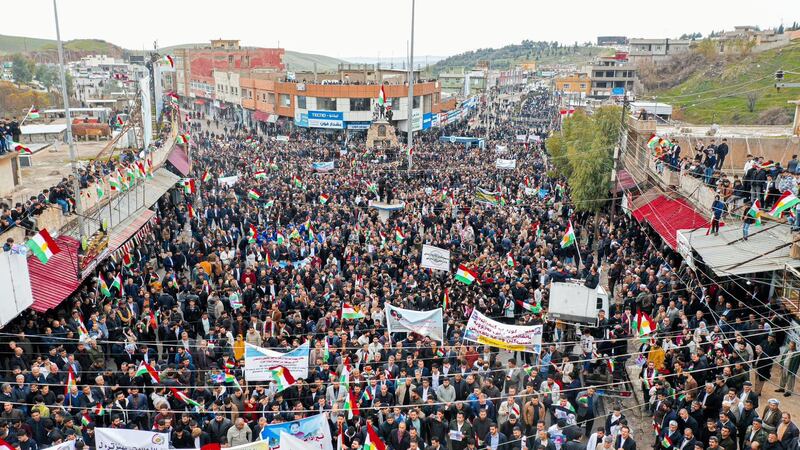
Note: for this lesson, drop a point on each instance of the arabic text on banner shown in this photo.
(117, 438)
(435, 258)
(507, 164)
(424, 323)
(484, 330)
(314, 429)
(257, 362)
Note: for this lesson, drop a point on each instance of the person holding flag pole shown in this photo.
(570, 239)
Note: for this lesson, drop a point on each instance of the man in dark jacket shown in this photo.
(722, 152)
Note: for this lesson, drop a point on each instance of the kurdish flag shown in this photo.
(569, 236)
(785, 203)
(755, 211)
(252, 233)
(188, 186)
(182, 396)
(280, 238)
(99, 410)
(326, 354)
(206, 176)
(644, 323)
(260, 175)
(536, 309)
(372, 187)
(169, 60)
(190, 209)
(653, 142)
(350, 405)
(446, 299)
(323, 198)
(466, 275)
(666, 442)
(70, 380)
(117, 282)
(184, 138)
(85, 420)
(100, 191)
(253, 194)
(350, 312)
(372, 441)
(297, 182)
(398, 235)
(103, 286)
(510, 260)
(22, 149)
(43, 246)
(33, 113)
(282, 377)
(381, 96)
(147, 369)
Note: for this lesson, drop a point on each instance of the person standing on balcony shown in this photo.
(717, 208)
(722, 152)
(710, 163)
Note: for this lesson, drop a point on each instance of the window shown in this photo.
(271, 98)
(326, 104)
(359, 104)
(416, 102)
(566, 86)
(395, 103)
(583, 85)
(230, 59)
(301, 102)
(286, 100)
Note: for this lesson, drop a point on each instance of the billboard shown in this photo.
(326, 119)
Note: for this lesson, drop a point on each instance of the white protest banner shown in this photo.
(486, 331)
(435, 258)
(507, 164)
(117, 438)
(66, 445)
(257, 362)
(282, 138)
(522, 138)
(290, 442)
(424, 323)
(228, 181)
(501, 149)
(311, 430)
(323, 166)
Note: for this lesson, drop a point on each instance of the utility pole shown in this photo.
(73, 156)
(779, 83)
(623, 141)
(411, 89)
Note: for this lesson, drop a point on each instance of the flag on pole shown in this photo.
(536, 309)
(260, 175)
(146, 369)
(169, 60)
(190, 209)
(70, 380)
(569, 236)
(644, 323)
(297, 182)
(206, 176)
(33, 114)
(182, 396)
(350, 405)
(398, 235)
(153, 322)
(85, 419)
(184, 138)
(755, 211)
(466, 275)
(102, 285)
(323, 198)
(382, 96)
(282, 377)
(350, 312)
(43, 246)
(510, 260)
(253, 194)
(99, 410)
(326, 354)
(188, 186)
(446, 299)
(786, 202)
(252, 233)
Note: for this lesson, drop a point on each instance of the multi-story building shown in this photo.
(194, 67)
(339, 105)
(612, 75)
(578, 83)
(655, 50)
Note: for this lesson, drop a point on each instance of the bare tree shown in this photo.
(752, 98)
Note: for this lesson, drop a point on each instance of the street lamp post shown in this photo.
(73, 156)
(411, 89)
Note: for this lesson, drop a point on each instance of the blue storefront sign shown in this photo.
(301, 120)
(426, 120)
(618, 91)
(326, 119)
(358, 125)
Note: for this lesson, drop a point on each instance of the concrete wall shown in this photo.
(8, 174)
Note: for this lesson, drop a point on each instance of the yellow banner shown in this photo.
(500, 344)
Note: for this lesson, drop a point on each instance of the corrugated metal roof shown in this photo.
(51, 283)
(180, 160)
(765, 250)
(118, 238)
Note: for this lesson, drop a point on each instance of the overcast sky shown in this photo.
(370, 28)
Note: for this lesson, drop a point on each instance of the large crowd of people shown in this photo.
(270, 258)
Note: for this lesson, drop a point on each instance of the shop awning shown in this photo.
(667, 216)
(625, 181)
(134, 226)
(260, 116)
(199, 101)
(180, 160)
(765, 250)
(53, 282)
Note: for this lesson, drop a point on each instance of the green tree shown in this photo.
(22, 69)
(46, 75)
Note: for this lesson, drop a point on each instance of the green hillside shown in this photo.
(505, 57)
(21, 44)
(297, 61)
(722, 90)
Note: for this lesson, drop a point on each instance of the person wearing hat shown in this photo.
(755, 433)
(771, 416)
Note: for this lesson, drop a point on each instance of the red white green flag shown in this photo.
(282, 377)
